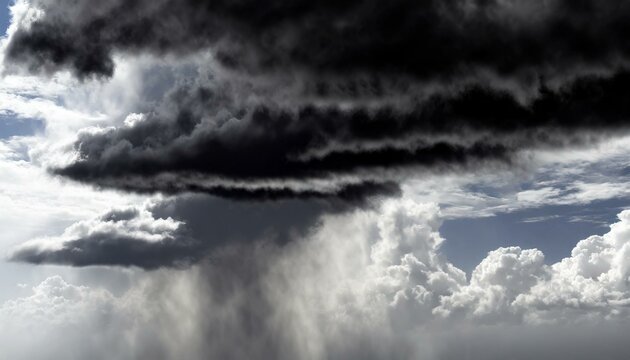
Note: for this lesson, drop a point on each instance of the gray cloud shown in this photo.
(124, 237)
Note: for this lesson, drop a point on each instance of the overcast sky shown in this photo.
(314, 179)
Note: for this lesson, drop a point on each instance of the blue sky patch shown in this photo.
(13, 126)
(4, 15)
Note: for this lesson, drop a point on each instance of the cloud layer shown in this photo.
(328, 100)
(263, 151)
(127, 236)
(397, 258)
(386, 291)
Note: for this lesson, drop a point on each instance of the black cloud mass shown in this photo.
(385, 89)
(420, 38)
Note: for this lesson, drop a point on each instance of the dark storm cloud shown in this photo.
(269, 151)
(426, 39)
(265, 152)
(382, 88)
(221, 222)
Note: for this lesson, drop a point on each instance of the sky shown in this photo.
(5, 18)
(314, 179)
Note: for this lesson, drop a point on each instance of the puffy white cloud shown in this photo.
(593, 282)
(56, 302)
(408, 267)
(495, 283)
(54, 317)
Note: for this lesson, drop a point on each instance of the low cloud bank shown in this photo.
(386, 291)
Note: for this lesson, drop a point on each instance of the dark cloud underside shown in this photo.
(208, 223)
(108, 249)
(376, 90)
(123, 237)
(268, 151)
